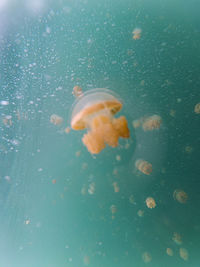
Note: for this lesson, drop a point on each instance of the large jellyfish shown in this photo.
(95, 111)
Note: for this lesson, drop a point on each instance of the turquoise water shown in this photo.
(47, 216)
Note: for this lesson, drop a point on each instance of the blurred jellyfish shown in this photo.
(116, 187)
(77, 91)
(132, 199)
(113, 210)
(136, 123)
(86, 260)
(143, 166)
(177, 238)
(136, 33)
(91, 188)
(55, 119)
(169, 252)
(180, 196)
(152, 123)
(146, 256)
(94, 111)
(140, 213)
(197, 108)
(183, 254)
(150, 203)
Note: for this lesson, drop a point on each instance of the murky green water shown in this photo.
(55, 198)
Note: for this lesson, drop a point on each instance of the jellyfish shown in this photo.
(55, 119)
(143, 166)
(146, 256)
(150, 202)
(169, 252)
(116, 187)
(95, 112)
(180, 196)
(136, 33)
(140, 213)
(177, 238)
(77, 91)
(197, 108)
(183, 254)
(152, 123)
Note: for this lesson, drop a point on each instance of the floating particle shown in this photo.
(116, 187)
(180, 196)
(169, 252)
(183, 254)
(146, 256)
(143, 166)
(136, 33)
(197, 108)
(152, 123)
(55, 119)
(150, 203)
(95, 111)
(177, 238)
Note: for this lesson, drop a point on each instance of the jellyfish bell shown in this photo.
(95, 112)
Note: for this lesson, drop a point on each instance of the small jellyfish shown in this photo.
(77, 91)
(113, 210)
(140, 213)
(183, 254)
(143, 166)
(91, 188)
(136, 123)
(169, 252)
(146, 256)
(116, 187)
(94, 111)
(177, 238)
(197, 108)
(150, 203)
(136, 33)
(152, 123)
(55, 119)
(180, 196)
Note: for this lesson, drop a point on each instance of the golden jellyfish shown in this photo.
(169, 252)
(197, 108)
(146, 256)
(152, 123)
(143, 166)
(150, 203)
(177, 238)
(55, 119)
(77, 91)
(95, 112)
(183, 254)
(180, 196)
(136, 33)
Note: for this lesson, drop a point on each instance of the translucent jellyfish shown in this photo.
(140, 213)
(143, 166)
(150, 203)
(152, 123)
(183, 254)
(55, 119)
(169, 252)
(180, 196)
(136, 33)
(177, 238)
(91, 188)
(77, 91)
(146, 256)
(197, 108)
(95, 112)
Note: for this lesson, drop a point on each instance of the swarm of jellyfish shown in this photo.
(95, 112)
(143, 166)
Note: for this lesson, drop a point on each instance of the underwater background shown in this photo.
(58, 203)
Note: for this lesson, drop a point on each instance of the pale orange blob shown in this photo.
(143, 166)
(177, 238)
(197, 108)
(180, 196)
(55, 119)
(77, 91)
(150, 203)
(67, 130)
(94, 111)
(136, 33)
(146, 256)
(183, 254)
(152, 123)
(169, 252)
